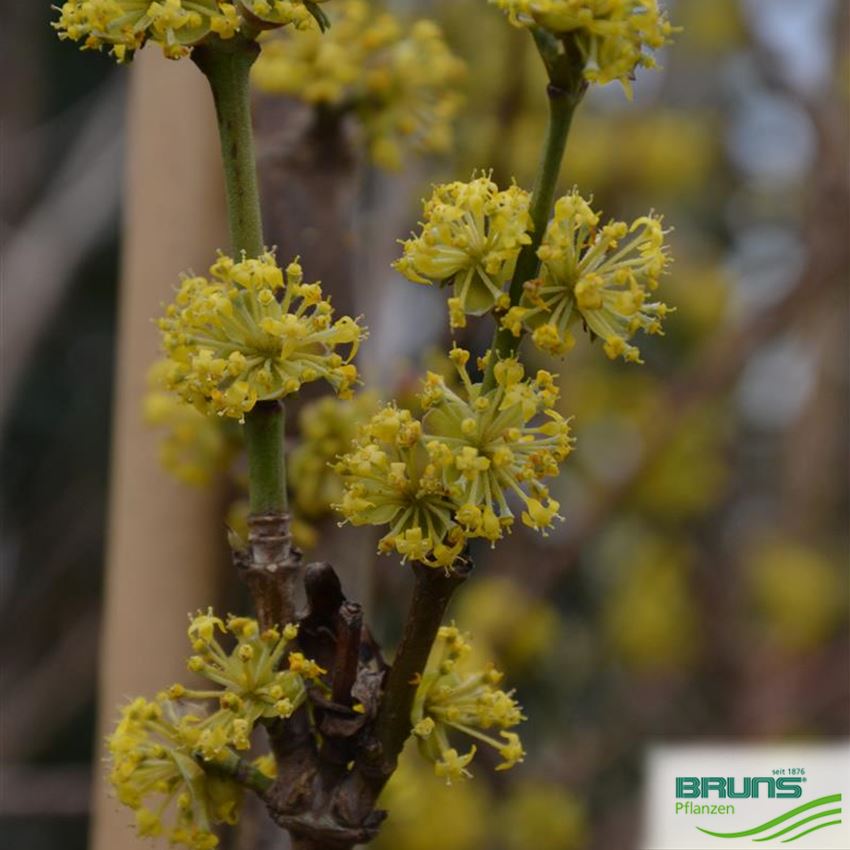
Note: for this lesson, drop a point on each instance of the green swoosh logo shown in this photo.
(802, 822)
(813, 829)
(831, 798)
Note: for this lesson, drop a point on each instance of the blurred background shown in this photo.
(698, 588)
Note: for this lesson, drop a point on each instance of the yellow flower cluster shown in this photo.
(126, 25)
(176, 26)
(253, 685)
(448, 699)
(599, 276)
(389, 480)
(155, 773)
(650, 616)
(471, 237)
(799, 594)
(614, 36)
(400, 81)
(442, 481)
(543, 815)
(245, 335)
(158, 747)
(485, 448)
(193, 447)
(327, 427)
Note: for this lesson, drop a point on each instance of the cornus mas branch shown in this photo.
(270, 565)
(251, 334)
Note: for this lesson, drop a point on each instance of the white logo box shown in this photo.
(726, 789)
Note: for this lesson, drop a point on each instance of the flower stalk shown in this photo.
(264, 432)
(565, 90)
(227, 67)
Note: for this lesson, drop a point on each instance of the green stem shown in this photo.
(264, 431)
(229, 764)
(561, 108)
(564, 96)
(227, 67)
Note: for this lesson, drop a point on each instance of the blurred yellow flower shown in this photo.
(399, 81)
(193, 447)
(650, 614)
(327, 428)
(507, 622)
(690, 476)
(276, 13)
(712, 27)
(669, 153)
(429, 815)
(543, 816)
(799, 593)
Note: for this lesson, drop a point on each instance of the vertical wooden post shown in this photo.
(166, 541)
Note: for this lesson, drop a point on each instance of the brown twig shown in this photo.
(432, 591)
(325, 794)
(270, 567)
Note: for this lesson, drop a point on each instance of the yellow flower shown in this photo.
(451, 765)
(490, 446)
(517, 628)
(471, 236)
(193, 447)
(399, 81)
(542, 815)
(249, 682)
(304, 666)
(388, 480)
(457, 816)
(415, 100)
(125, 25)
(438, 482)
(465, 702)
(599, 276)
(799, 593)
(267, 765)
(154, 772)
(250, 333)
(327, 428)
(614, 36)
(650, 612)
